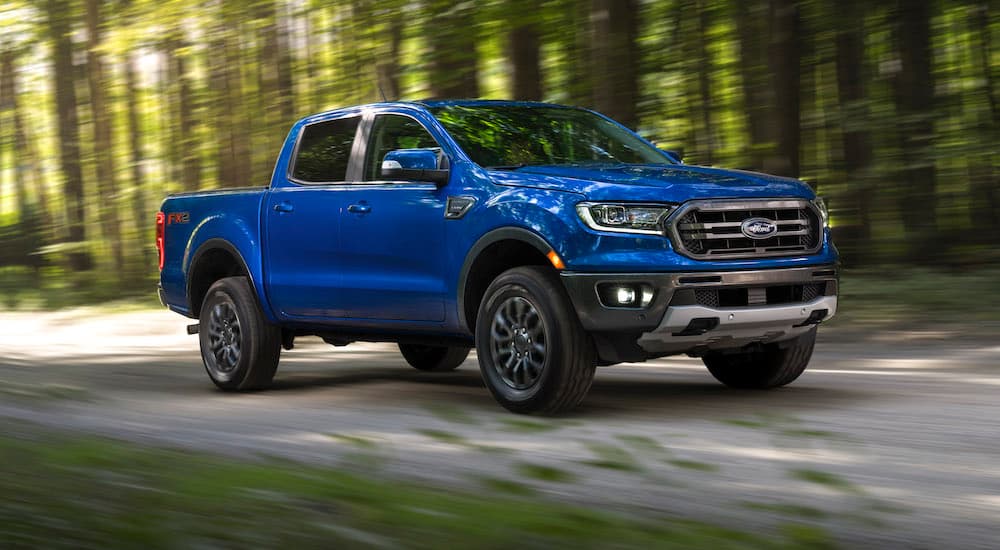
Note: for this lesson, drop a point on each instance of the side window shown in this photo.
(324, 150)
(391, 132)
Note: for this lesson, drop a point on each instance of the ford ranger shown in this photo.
(551, 239)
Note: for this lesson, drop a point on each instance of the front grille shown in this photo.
(712, 229)
(726, 297)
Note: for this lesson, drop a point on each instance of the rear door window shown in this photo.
(325, 151)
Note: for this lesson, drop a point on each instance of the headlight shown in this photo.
(645, 219)
(823, 212)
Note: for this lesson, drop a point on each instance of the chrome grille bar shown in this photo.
(711, 229)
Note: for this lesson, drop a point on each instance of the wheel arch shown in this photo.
(215, 259)
(495, 252)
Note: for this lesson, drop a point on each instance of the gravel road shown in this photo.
(889, 440)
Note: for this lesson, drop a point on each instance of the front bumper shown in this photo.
(685, 328)
(664, 326)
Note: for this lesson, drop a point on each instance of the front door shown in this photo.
(392, 234)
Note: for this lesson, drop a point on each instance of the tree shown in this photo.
(614, 60)
(452, 59)
(59, 15)
(769, 35)
(524, 51)
(914, 97)
(984, 178)
(103, 148)
(854, 123)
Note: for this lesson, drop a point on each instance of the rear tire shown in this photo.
(533, 353)
(239, 347)
(433, 358)
(771, 367)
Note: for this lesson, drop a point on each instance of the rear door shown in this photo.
(392, 232)
(302, 222)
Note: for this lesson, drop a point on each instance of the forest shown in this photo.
(889, 108)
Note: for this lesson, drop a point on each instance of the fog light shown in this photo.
(625, 295)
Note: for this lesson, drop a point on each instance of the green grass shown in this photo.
(611, 457)
(507, 486)
(643, 444)
(72, 492)
(793, 510)
(355, 440)
(53, 289)
(694, 465)
(900, 296)
(450, 413)
(541, 472)
(444, 437)
(45, 392)
(826, 479)
(525, 425)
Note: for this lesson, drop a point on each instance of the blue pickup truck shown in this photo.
(550, 238)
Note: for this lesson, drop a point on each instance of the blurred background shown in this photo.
(111, 436)
(889, 108)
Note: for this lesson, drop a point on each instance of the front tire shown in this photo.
(771, 367)
(433, 358)
(533, 353)
(239, 347)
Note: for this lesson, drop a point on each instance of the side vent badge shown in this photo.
(457, 207)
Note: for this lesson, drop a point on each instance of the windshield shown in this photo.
(510, 137)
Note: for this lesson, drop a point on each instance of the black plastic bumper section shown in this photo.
(596, 317)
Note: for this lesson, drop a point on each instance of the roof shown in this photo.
(486, 103)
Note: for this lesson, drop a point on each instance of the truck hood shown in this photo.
(655, 183)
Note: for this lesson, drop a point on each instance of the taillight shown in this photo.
(159, 237)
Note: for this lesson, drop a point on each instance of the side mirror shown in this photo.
(676, 155)
(415, 165)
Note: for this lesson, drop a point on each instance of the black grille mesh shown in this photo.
(777, 294)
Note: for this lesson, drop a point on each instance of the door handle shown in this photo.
(284, 207)
(359, 208)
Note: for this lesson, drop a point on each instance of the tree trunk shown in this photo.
(615, 63)
(139, 214)
(232, 154)
(59, 15)
(452, 57)
(186, 106)
(984, 177)
(389, 68)
(8, 103)
(785, 69)
(286, 85)
(694, 19)
(103, 143)
(579, 76)
(268, 99)
(752, 28)
(523, 51)
(856, 139)
(769, 35)
(27, 168)
(914, 90)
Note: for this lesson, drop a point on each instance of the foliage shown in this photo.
(889, 109)
(88, 492)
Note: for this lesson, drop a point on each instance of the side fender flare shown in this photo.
(494, 236)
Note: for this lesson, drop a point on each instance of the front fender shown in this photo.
(533, 216)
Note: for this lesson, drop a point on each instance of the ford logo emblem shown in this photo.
(758, 228)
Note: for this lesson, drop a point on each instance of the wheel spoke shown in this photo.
(517, 342)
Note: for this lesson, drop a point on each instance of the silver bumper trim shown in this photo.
(736, 326)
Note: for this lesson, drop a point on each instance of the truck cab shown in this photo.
(549, 238)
